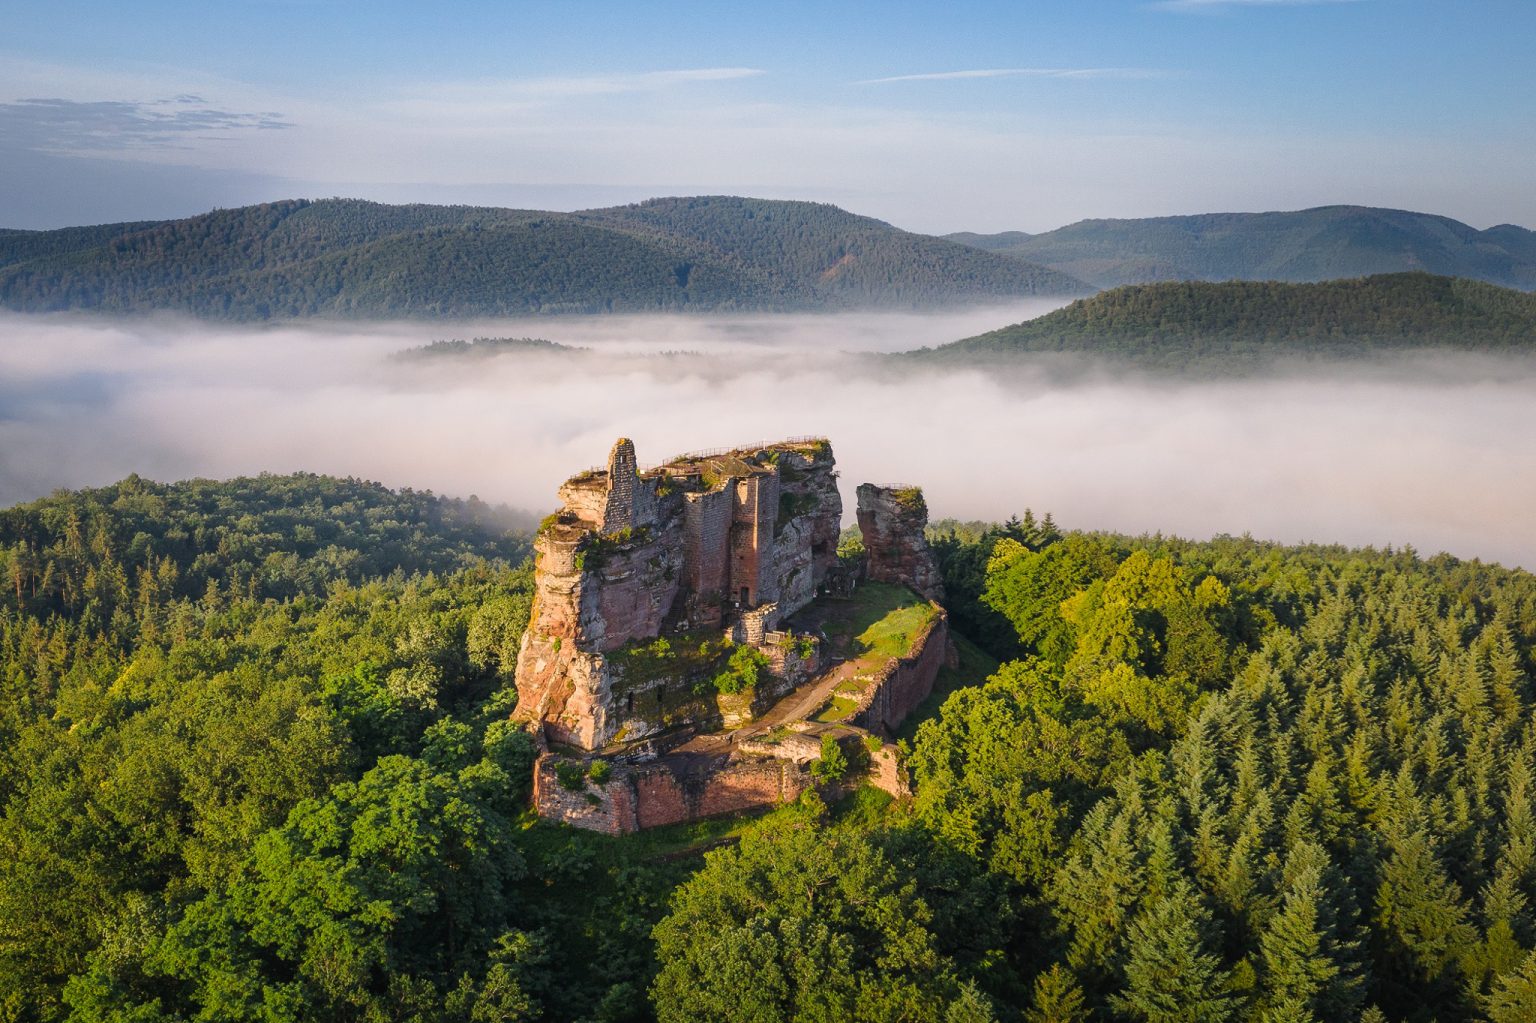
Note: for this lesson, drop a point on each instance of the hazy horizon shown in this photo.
(623, 197)
(1014, 117)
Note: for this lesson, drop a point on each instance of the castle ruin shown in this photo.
(667, 620)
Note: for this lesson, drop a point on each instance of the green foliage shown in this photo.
(1303, 748)
(112, 553)
(964, 551)
(833, 762)
(1184, 326)
(1514, 996)
(1170, 976)
(359, 896)
(571, 776)
(484, 347)
(1058, 998)
(743, 670)
(239, 794)
(1208, 781)
(811, 921)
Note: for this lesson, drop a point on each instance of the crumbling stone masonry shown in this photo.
(708, 545)
(649, 584)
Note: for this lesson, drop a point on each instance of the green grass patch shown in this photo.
(837, 709)
(870, 602)
(894, 634)
(879, 621)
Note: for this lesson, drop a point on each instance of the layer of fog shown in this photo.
(1435, 453)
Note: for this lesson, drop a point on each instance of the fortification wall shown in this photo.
(752, 540)
(706, 553)
(667, 791)
(903, 684)
(887, 773)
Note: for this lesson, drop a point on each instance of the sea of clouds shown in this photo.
(1431, 451)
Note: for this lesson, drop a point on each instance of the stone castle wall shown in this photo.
(673, 788)
(903, 684)
(707, 525)
(668, 791)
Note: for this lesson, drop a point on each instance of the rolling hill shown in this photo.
(1180, 324)
(1307, 245)
(348, 258)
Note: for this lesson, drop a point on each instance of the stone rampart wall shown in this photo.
(887, 773)
(903, 684)
(667, 791)
(707, 553)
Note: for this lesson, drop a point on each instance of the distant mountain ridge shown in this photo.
(341, 257)
(1183, 323)
(1318, 244)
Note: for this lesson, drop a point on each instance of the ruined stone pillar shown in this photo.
(619, 513)
(892, 520)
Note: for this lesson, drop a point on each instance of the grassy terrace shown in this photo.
(880, 621)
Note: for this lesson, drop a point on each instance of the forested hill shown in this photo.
(1226, 782)
(1188, 323)
(99, 551)
(349, 258)
(1305, 245)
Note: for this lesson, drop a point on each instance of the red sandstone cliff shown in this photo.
(723, 543)
(892, 520)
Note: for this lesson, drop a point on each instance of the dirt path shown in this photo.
(801, 703)
(796, 706)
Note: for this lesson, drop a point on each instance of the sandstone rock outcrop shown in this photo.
(892, 520)
(643, 574)
(650, 586)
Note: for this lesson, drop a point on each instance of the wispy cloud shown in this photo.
(618, 82)
(62, 126)
(1199, 6)
(1023, 72)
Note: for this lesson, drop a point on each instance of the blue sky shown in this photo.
(979, 116)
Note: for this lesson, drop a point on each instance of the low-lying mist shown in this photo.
(1428, 451)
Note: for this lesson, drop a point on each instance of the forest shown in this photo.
(1197, 326)
(256, 764)
(344, 258)
(1293, 245)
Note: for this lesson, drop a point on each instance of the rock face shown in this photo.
(892, 520)
(642, 575)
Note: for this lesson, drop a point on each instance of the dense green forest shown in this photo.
(486, 347)
(348, 258)
(257, 765)
(1197, 325)
(1304, 245)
